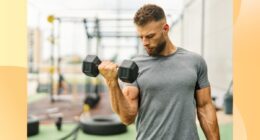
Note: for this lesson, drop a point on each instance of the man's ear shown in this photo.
(166, 27)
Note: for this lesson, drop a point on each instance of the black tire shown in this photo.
(102, 125)
(32, 126)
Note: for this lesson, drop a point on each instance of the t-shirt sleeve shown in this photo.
(202, 75)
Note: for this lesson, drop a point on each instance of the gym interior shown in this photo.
(64, 103)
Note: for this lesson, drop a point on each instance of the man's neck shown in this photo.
(169, 49)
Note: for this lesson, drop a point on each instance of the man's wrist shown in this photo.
(112, 82)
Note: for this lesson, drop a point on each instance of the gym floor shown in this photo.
(48, 130)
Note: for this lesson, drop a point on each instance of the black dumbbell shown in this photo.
(127, 71)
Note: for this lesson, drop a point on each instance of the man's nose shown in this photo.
(145, 42)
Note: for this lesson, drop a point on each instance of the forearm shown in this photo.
(119, 103)
(208, 121)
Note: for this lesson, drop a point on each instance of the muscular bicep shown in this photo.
(131, 93)
(203, 96)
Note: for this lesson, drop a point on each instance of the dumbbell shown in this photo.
(127, 71)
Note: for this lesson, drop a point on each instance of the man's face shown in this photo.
(152, 37)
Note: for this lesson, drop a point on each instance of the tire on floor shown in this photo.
(102, 125)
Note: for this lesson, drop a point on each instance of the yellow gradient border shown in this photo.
(246, 62)
(13, 103)
(13, 69)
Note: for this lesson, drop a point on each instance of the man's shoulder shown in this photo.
(190, 54)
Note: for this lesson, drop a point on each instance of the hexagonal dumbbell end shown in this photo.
(90, 65)
(128, 71)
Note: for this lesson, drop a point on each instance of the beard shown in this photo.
(158, 49)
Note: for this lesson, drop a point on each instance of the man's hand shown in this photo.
(108, 70)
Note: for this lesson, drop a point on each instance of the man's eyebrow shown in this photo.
(149, 34)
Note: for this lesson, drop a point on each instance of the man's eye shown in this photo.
(150, 36)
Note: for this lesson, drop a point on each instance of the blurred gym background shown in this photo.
(62, 32)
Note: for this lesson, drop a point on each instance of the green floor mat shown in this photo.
(49, 132)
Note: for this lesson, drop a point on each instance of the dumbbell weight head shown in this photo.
(90, 65)
(128, 71)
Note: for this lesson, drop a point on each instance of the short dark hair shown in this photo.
(148, 13)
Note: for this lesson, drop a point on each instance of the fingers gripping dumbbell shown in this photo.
(127, 71)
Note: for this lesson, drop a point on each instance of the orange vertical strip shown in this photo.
(13, 107)
(247, 68)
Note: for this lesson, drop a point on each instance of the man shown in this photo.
(172, 85)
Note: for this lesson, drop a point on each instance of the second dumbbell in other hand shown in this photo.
(127, 71)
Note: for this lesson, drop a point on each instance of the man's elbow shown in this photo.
(205, 105)
(205, 109)
(127, 120)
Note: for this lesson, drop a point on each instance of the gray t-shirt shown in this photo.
(167, 84)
